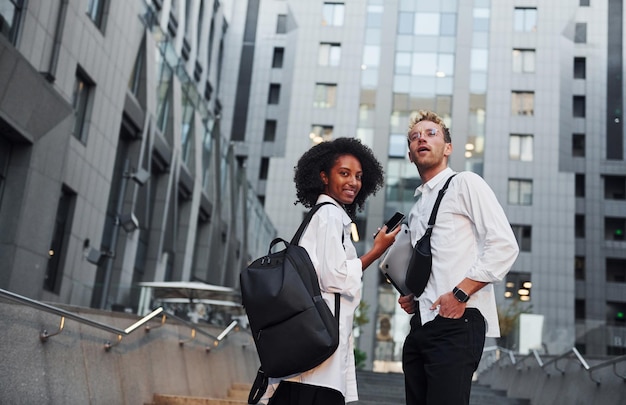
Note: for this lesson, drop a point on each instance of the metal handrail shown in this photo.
(44, 335)
(590, 369)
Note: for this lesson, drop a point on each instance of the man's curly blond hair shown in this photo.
(423, 115)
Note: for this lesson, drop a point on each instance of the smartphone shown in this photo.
(393, 222)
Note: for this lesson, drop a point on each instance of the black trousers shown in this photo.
(440, 358)
(293, 393)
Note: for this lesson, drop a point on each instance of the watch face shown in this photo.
(460, 295)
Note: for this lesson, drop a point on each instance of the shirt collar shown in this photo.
(345, 219)
(432, 183)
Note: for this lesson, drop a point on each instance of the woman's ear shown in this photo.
(324, 178)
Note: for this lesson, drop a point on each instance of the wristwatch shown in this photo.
(460, 295)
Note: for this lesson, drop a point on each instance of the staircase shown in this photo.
(237, 395)
(374, 389)
(388, 389)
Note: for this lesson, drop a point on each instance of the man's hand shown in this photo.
(449, 306)
(407, 302)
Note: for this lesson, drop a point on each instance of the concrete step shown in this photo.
(388, 389)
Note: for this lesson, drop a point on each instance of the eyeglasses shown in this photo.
(428, 132)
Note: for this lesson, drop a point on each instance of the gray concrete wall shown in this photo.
(74, 368)
(552, 386)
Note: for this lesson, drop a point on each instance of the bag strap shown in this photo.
(433, 214)
(305, 222)
(258, 387)
(296, 239)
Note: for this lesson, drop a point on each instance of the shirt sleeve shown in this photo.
(338, 269)
(497, 247)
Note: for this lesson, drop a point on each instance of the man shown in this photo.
(472, 246)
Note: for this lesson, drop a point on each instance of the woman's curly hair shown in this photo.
(322, 157)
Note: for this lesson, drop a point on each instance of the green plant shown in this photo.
(508, 316)
(360, 319)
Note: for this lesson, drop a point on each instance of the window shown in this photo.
(397, 146)
(580, 33)
(578, 145)
(187, 129)
(580, 68)
(584, 3)
(274, 94)
(321, 133)
(332, 14)
(426, 23)
(520, 192)
(523, 60)
(10, 19)
(136, 84)
(329, 54)
(615, 187)
(325, 95)
(265, 167)
(518, 286)
(579, 267)
(614, 228)
(579, 225)
(615, 270)
(615, 313)
(164, 96)
(579, 309)
(578, 106)
(60, 239)
(277, 59)
(521, 147)
(405, 23)
(523, 103)
(269, 133)
(523, 234)
(81, 101)
(281, 24)
(580, 185)
(95, 11)
(525, 19)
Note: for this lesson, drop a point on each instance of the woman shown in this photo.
(343, 172)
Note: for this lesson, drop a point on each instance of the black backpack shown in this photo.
(292, 327)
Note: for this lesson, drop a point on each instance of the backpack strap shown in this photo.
(258, 387)
(296, 238)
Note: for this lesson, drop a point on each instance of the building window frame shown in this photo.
(281, 24)
(96, 11)
(525, 19)
(60, 240)
(273, 95)
(580, 67)
(523, 60)
(523, 235)
(333, 14)
(321, 133)
(325, 95)
(329, 54)
(520, 192)
(278, 57)
(521, 147)
(522, 103)
(82, 101)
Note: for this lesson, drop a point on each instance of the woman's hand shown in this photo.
(382, 241)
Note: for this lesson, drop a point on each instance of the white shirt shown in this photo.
(471, 238)
(339, 270)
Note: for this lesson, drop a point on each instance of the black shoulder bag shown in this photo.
(420, 265)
